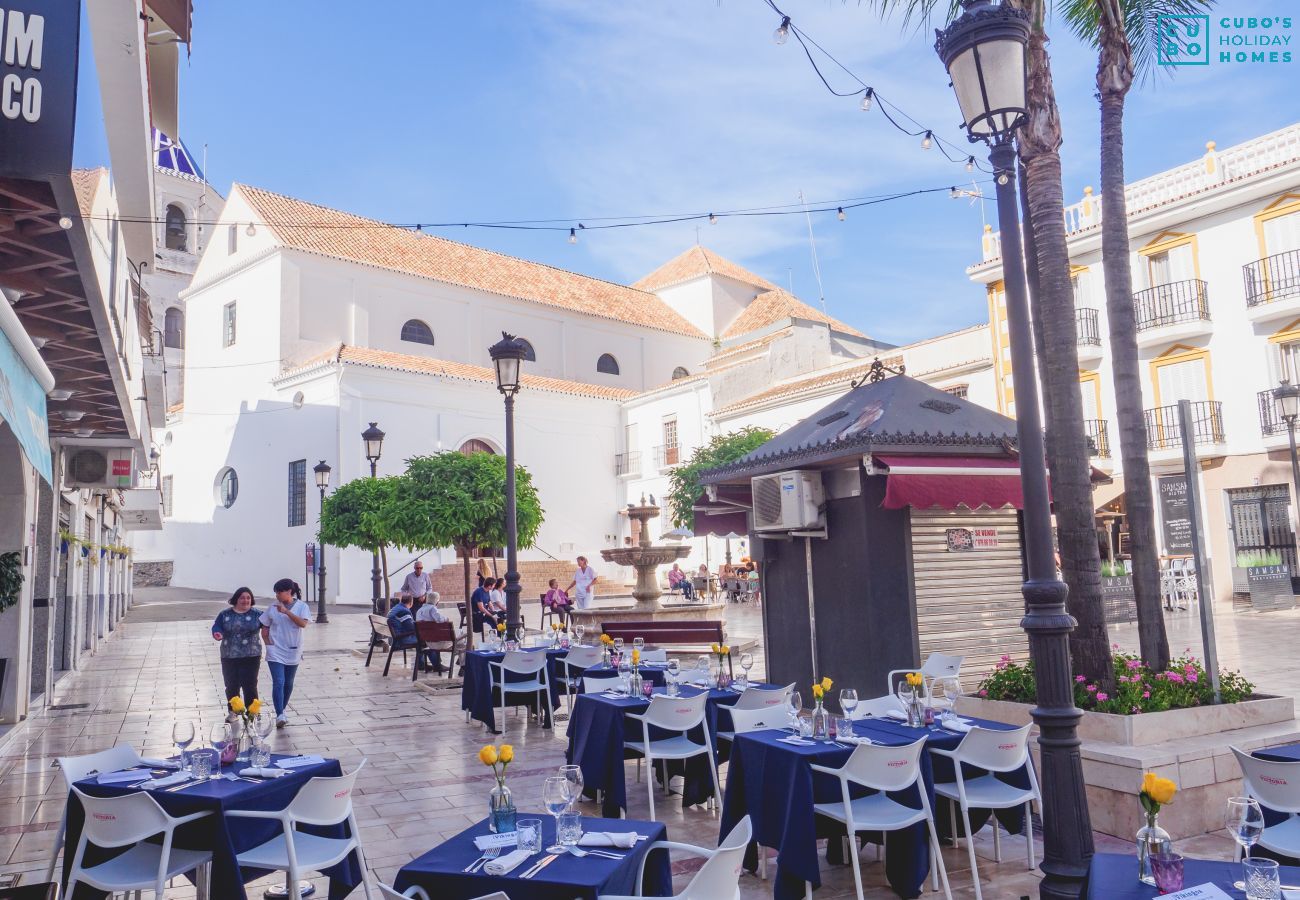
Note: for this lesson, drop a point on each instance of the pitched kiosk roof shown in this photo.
(329, 232)
(773, 306)
(423, 365)
(693, 263)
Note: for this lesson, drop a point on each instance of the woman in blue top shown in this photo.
(238, 629)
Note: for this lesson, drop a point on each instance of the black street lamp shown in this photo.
(1287, 398)
(984, 53)
(507, 356)
(374, 441)
(322, 471)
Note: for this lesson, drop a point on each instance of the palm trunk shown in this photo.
(1114, 78)
(1068, 455)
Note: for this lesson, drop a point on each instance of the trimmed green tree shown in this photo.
(684, 481)
(364, 513)
(452, 499)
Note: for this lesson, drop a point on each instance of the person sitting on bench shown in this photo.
(677, 580)
(429, 612)
(402, 624)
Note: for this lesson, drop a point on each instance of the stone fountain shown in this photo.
(646, 558)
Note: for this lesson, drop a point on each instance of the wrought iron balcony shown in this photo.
(667, 455)
(1169, 304)
(1272, 278)
(1098, 437)
(1270, 422)
(1164, 433)
(1085, 322)
(627, 463)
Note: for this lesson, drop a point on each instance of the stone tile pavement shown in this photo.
(422, 782)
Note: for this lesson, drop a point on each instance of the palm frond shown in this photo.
(1141, 25)
(919, 14)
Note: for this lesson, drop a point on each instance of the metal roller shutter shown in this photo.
(968, 602)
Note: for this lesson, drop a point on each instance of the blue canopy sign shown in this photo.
(22, 406)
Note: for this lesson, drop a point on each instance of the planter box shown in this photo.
(1191, 746)
(1239, 583)
(1270, 588)
(1119, 602)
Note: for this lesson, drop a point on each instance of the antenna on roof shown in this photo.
(203, 195)
(812, 245)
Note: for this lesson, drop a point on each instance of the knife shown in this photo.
(541, 865)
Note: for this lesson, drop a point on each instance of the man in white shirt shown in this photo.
(417, 584)
(429, 612)
(581, 586)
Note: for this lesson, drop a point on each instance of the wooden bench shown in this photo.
(439, 636)
(381, 634)
(688, 635)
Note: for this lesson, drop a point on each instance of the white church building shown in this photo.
(303, 324)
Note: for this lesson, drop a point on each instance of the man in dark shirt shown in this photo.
(402, 624)
(480, 601)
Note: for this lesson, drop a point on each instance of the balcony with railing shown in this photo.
(1180, 309)
(667, 455)
(1098, 438)
(1273, 286)
(628, 464)
(1087, 330)
(1165, 433)
(1270, 420)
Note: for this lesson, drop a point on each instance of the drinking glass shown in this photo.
(573, 775)
(848, 701)
(638, 644)
(625, 676)
(951, 690)
(568, 829)
(201, 764)
(673, 672)
(578, 629)
(1245, 823)
(220, 737)
(618, 644)
(701, 675)
(1168, 871)
(1263, 880)
(260, 756)
(557, 794)
(264, 724)
(528, 835)
(796, 707)
(746, 663)
(182, 737)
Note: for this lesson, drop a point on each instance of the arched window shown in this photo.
(607, 364)
(680, 372)
(529, 353)
(175, 235)
(416, 332)
(474, 445)
(174, 328)
(227, 487)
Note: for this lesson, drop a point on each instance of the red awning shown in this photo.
(947, 482)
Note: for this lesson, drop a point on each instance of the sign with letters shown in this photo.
(38, 86)
(1175, 519)
(961, 539)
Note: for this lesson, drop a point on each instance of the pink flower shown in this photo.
(1006, 657)
(1092, 689)
(1146, 695)
(1079, 679)
(1191, 676)
(1003, 664)
(1133, 664)
(1160, 676)
(1175, 678)
(1136, 709)
(1114, 646)
(984, 693)
(1102, 695)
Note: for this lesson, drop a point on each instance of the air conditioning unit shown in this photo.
(99, 467)
(788, 501)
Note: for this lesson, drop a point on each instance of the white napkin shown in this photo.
(123, 777)
(614, 695)
(153, 763)
(852, 739)
(504, 839)
(295, 762)
(896, 714)
(166, 780)
(797, 741)
(262, 772)
(504, 865)
(623, 839)
(956, 725)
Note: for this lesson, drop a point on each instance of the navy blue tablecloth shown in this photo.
(772, 782)
(1113, 876)
(226, 838)
(656, 675)
(479, 697)
(440, 871)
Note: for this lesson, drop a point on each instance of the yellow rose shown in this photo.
(827, 684)
(555, 626)
(488, 755)
(237, 704)
(1163, 791)
(507, 753)
(726, 650)
(716, 648)
(818, 691)
(636, 656)
(1148, 783)
(255, 707)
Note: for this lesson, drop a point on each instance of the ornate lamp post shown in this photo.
(984, 53)
(374, 441)
(507, 355)
(1287, 398)
(322, 471)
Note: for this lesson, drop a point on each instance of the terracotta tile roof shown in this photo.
(775, 305)
(318, 229)
(693, 263)
(726, 354)
(840, 377)
(423, 365)
(84, 183)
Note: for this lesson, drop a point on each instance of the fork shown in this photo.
(579, 852)
(489, 853)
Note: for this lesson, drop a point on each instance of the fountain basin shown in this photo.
(673, 610)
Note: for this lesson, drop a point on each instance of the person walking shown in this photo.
(241, 651)
(581, 588)
(417, 585)
(282, 627)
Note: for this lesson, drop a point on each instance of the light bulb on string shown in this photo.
(866, 99)
(782, 33)
(250, 230)
(954, 193)
(713, 220)
(928, 141)
(1003, 178)
(970, 164)
(573, 236)
(839, 214)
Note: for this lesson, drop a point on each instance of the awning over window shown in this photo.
(726, 514)
(947, 482)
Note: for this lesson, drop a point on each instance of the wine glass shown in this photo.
(625, 676)
(746, 663)
(578, 630)
(182, 737)
(557, 794)
(573, 775)
(671, 674)
(796, 706)
(220, 738)
(638, 644)
(951, 688)
(1244, 821)
(848, 701)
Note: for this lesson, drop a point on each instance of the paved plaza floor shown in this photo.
(422, 782)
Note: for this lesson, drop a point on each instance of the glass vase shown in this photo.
(501, 809)
(1151, 840)
(821, 723)
(244, 741)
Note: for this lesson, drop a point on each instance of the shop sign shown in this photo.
(962, 539)
(38, 86)
(1175, 518)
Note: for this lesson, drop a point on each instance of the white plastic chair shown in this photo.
(882, 769)
(77, 768)
(571, 667)
(129, 821)
(994, 751)
(680, 715)
(717, 879)
(321, 801)
(595, 684)
(1275, 785)
(416, 892)
(756, 699)
(658, 655)
(938, 666)
(877, 706)
(521, 662)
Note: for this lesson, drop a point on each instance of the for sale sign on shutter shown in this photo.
(960, 539)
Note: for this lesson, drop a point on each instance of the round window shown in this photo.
(227, 487)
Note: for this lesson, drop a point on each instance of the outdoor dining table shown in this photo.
(598, 729)
(226, 838)
(480, 699)
(1113, 876)
(441, 871)
(772, 782)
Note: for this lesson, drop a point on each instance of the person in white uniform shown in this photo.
(581, 587)
(282, 627)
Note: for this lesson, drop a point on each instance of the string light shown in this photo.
(866, 100)
(713, 220)
(839, 214)
(573, 236)
(954, 193)
(928, 141)
(250, 230)
(970, 164)
(1003, 178)
(782, 33)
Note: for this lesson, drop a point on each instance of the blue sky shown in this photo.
(573, 109)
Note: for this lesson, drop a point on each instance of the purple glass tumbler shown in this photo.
(1168, 871)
